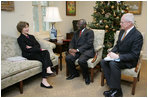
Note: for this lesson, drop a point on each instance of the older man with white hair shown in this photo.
(125, 54)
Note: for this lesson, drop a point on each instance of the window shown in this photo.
(39, 12)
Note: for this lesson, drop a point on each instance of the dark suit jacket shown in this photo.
(129, 49)
(83, 43)
(31, 41)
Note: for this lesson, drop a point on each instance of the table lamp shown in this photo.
(52, 16)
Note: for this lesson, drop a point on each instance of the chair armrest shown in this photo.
(47, 45)
(137, 67)
(98, 48)
(96, 54)
(95, 57)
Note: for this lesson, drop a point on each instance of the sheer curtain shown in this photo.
(39, 11)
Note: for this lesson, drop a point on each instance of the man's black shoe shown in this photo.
(72, 76)
(116, 93)
(107, 93)
(87, 80)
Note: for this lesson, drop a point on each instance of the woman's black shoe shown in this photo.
(42, 85)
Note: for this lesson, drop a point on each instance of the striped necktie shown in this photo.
(123, 36)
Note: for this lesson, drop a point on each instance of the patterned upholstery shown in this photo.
(13, 72)
(98, 46)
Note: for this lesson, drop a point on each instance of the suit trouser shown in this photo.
(112, 72)
(70, 61)
(43, 57)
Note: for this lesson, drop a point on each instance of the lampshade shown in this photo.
(52, 15)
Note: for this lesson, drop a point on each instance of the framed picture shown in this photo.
(7, 5)
(70, 8)
(134, 6)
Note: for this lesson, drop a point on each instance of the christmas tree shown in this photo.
(106, 16)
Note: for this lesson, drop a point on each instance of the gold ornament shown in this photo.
(117, 17)
(105, 21)
(95, 11)
(127, 8)
(103, 11)
(106, 26)
(114, 29)
(114, 14)
(112, 6)
(97, 24)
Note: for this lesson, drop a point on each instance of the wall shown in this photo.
(86, 10)
(9, 20)
(141, 22)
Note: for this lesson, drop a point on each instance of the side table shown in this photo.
(60, 47)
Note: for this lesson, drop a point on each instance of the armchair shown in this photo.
(133, 72)
(98, 46)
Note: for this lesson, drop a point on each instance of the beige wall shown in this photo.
(84, 9)
(141, 22)
(9, 20)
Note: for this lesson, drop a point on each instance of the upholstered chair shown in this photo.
(133, 72)
(98, 46)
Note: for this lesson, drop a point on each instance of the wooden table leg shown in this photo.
(60, 61)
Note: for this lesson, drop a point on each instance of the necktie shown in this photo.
(123, 36)
(80, 34)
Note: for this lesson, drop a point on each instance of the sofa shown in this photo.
(16, 71)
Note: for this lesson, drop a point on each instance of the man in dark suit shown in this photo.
(126, 54)
(81, 47)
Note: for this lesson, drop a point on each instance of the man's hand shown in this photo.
(113, 55)
(43, 49)
(72, 51)
(73, 54)
(28, 47)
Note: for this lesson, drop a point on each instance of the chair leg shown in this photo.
(102, 79)
(57, 69)
(134, 85)
(92, 74)
(138, 75)
(21, 87)
(67, 73)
